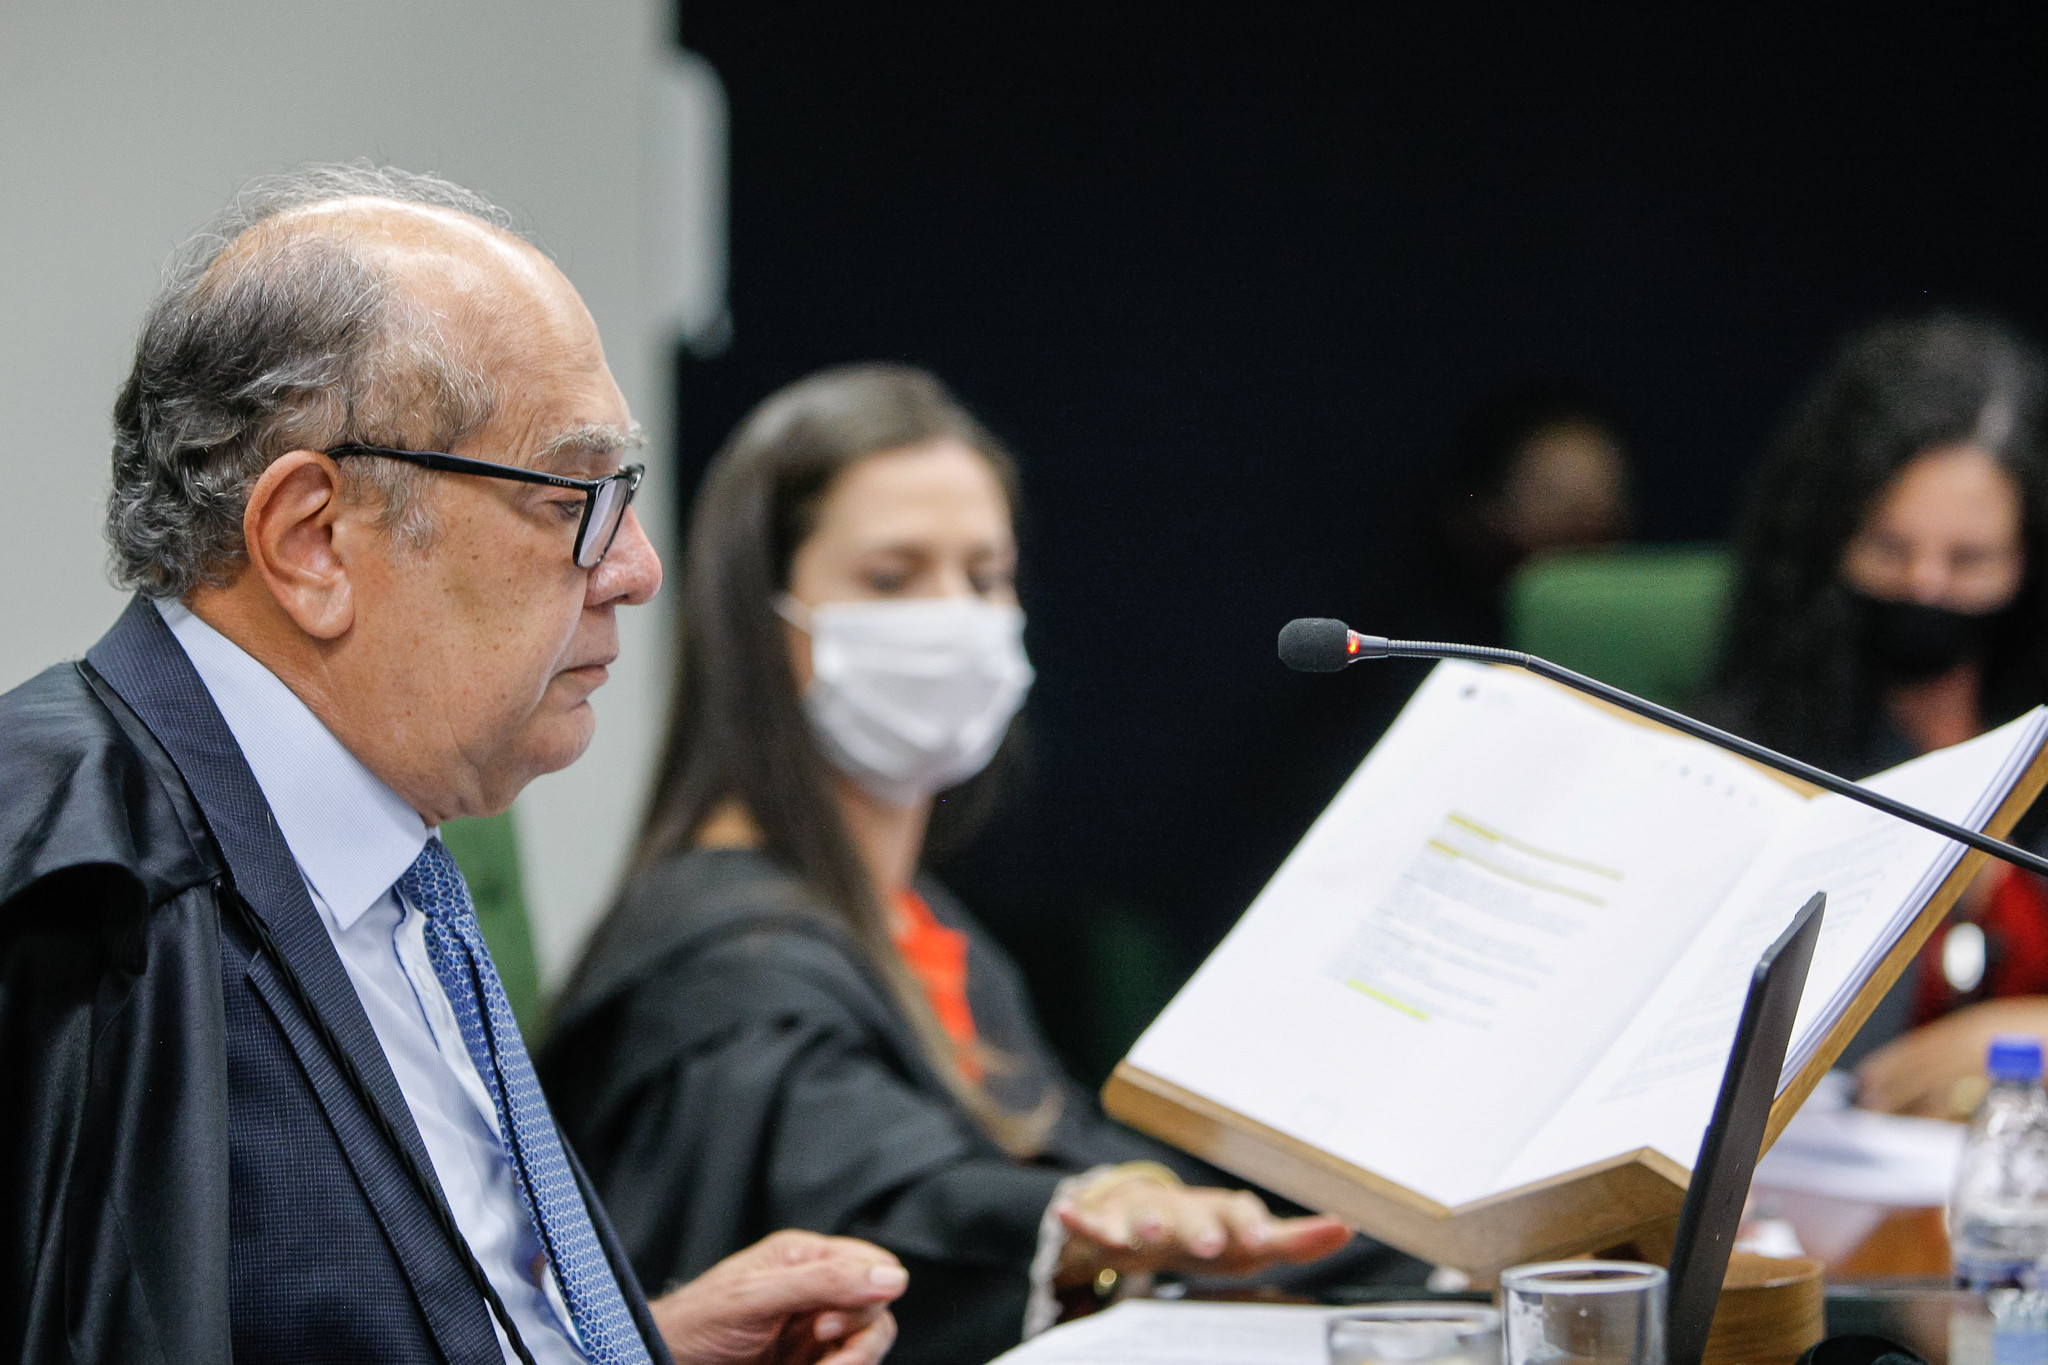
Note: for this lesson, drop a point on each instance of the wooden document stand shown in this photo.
(1633, 1197)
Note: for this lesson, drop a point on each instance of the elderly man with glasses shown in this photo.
(265, 1097)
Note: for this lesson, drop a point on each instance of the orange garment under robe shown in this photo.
(937, 957)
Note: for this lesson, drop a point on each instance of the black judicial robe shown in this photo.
(186, 1173)
(726, 1065)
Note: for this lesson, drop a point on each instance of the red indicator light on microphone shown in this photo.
(1350, 642)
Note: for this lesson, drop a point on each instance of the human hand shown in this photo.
(792, 1298)
(1937, 1070)
(1133, 1220)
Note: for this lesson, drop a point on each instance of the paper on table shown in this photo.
(1465, 930)
(1145, 1332)
(1834, 1150)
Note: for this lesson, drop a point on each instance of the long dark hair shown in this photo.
(737, 731)
(1794, 674)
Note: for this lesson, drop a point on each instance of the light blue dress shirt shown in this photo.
(353, 838)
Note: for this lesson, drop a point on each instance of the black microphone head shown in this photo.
(1316, 644)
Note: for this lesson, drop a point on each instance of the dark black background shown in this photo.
(1227, 279)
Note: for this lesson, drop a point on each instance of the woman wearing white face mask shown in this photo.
(785, 1021)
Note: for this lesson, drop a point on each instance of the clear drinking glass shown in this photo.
(1416, 1334)
(1584, 1313)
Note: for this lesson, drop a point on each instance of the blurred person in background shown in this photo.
(785, 1018)
(1889, 600)
(1537, 467)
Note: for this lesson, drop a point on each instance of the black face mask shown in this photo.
(1912, 642)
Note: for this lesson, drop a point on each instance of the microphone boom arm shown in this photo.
(1379, 647)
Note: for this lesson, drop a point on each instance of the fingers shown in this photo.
(1895, 1078)
(867, 1346)
(1151, 1227)
(1141, 1218)
(1308, 1239)
(1104, 1225)
(1878, 1080)
(792, 1246)
(840, 1323)
(1251, 1225)
(1934, 1097)
(798, 1296)
(1198, 1223)
(1937, 1068)
(826, 1273)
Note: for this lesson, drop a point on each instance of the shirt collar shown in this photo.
(352, 835)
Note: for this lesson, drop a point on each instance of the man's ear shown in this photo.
(289, 527)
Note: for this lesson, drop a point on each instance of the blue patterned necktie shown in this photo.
(455, 945)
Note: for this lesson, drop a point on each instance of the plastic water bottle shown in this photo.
(1998, 1219)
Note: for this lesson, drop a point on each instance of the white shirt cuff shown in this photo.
(1042, 1308)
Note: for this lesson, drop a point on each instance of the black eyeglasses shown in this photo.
(605, 500)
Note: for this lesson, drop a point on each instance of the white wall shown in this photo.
(124, 124)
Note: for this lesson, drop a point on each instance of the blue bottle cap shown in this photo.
(2015, 1057)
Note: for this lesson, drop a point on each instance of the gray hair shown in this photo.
(302, 345)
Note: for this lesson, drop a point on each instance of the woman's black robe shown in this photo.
(726, 1066)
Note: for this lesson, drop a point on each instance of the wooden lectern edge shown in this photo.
(1639, 1192)
(1646, 1183)
(1136, 1094)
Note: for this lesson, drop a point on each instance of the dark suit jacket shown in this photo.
(203, 1148)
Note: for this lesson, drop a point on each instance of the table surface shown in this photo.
(1945, 1326)
(1894, 1284)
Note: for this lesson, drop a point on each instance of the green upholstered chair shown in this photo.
(487, 851)
(1646, 619)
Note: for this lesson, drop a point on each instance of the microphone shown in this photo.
(1320, 645)
(1316, 644)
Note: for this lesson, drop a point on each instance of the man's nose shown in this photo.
(630, 572)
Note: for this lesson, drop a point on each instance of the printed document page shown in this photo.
(1148, 1332)
(1837, 1151)
(1657, 1086)
(1463, 933)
